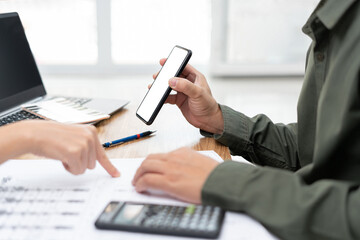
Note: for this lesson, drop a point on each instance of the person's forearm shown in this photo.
(259, 140)
(284, 203)
(14, 141)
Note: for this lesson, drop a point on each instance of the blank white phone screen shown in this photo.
(160, 85)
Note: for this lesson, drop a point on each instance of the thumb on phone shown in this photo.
(185, 86)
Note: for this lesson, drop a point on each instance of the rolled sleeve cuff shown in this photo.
(236, 130)
(225, 185)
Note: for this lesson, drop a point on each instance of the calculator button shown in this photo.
(211, 227)
(190, 209)
(148, 222)
(184, 221)
(192, 220)
(217, 211)
(202, 226)
(170, 217)
(175, 222)
(156, 221)
(166, 223)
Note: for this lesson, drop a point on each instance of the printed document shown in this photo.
(40, 200)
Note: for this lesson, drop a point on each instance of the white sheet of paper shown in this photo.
(40, 200)
(65, 111)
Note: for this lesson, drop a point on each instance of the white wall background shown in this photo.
(129, 36)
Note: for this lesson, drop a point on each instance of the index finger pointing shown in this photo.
(105, 162)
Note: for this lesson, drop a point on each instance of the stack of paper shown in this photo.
(65, 111)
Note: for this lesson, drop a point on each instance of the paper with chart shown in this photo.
(64, 110)
(40, 200)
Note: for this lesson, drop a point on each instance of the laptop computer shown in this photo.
(20, 80)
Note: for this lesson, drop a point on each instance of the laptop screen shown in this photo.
(20, 80)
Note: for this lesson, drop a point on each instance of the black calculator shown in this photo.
(191, 221)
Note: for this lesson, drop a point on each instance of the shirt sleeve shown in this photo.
(284, 203)
(258, 139)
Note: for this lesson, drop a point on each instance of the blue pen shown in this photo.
(127, 139)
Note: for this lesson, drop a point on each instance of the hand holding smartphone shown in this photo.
(160, 90)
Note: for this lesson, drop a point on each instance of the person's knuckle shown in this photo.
(89, 134)
(171, 156)
(83, 146)
(143, 167)
(198, 92)
(82, 170)
(76, 172)
(92, 165)
(87, 143)
(147, 180)
(201, 75)
(150, 156)
(147, 164)
(172, 178)
(92, 129)
(73, 170)
(73, 150)
(180, 150)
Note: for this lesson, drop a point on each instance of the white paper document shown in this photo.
(40, 200)
(63, 110)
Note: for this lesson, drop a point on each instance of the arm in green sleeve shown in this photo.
(284, 204)
(259, 140)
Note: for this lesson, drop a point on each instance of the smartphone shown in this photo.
(191, 220)
(160, 90)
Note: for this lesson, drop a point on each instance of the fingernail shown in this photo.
(117, 173)
(173, 82)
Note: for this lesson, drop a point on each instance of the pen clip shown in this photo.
(116, 144)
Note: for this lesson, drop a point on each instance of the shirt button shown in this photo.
(320, 57)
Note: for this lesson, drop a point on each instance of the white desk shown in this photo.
(40, 200)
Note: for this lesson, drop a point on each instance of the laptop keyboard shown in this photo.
(23, 115)
(18, 116)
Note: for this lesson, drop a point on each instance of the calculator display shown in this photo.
(192, 220)
(128, 213)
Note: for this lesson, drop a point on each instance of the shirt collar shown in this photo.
(332, 11)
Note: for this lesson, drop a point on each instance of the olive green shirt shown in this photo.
(315, 194)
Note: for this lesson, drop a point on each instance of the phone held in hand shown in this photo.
(160, 90)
